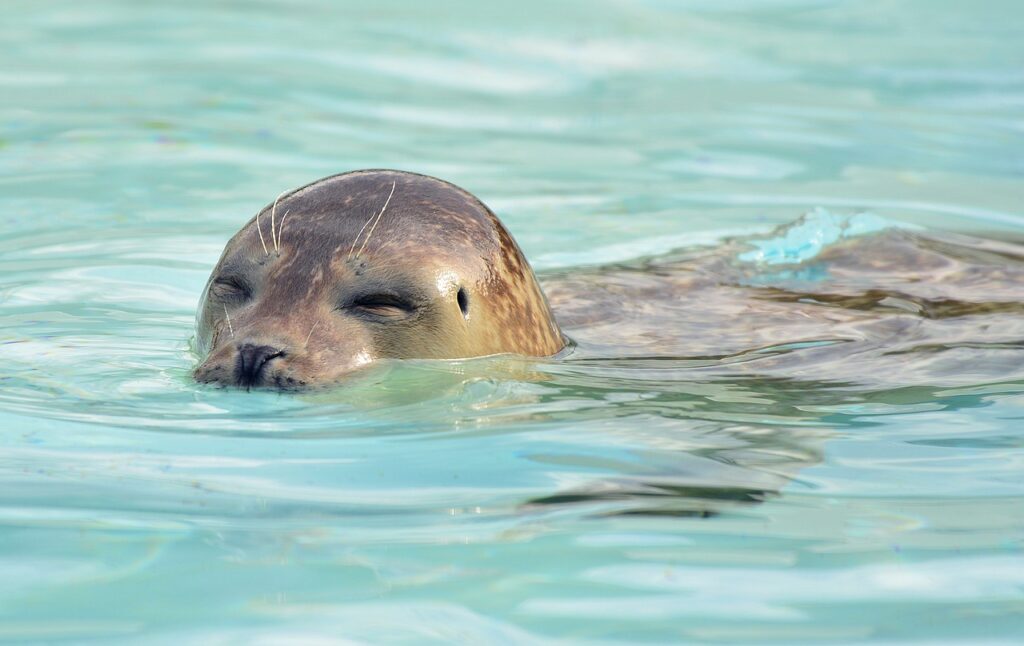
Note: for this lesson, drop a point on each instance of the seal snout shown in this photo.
(251, 362)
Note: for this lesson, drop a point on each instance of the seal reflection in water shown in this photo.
(362, 266)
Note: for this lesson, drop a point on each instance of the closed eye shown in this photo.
(230, 288)
(386, 306)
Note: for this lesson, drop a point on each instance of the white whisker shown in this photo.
(280, 232)
(260, 230)
(310, 333)
(228, 317)
(377, 221)
(273, 212)
(355, 241)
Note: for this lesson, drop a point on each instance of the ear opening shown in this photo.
(463, 299)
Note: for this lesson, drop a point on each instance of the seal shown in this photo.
(362, 266)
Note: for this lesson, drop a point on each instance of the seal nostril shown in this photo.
(252, 359)
(463, 299)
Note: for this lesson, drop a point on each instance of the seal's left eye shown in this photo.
(230, 287)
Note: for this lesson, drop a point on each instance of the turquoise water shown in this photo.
(432, 502)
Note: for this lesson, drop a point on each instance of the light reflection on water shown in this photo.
(798, 488)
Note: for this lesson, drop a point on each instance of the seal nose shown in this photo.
(252, 359)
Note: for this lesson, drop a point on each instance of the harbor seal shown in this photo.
(386, 264)
(362, 266)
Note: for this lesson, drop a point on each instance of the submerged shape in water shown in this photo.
(880, 305)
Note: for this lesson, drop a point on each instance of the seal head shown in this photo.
(362, 266)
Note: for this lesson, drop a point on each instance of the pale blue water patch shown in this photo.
(683, 499)
(785, 255)
(805, 239)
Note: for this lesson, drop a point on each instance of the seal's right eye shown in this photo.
(230, 288)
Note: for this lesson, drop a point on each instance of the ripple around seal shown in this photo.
(764, 482)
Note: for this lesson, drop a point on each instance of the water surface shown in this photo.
(796, 488)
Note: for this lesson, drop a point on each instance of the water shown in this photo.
(701, 497)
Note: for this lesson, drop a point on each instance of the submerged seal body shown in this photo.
(362, 266)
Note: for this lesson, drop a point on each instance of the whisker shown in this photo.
(260, 230)
(228, 316)
(280, 232)
(377, 221)
(273, 212)
(355, 241)
(310, 333)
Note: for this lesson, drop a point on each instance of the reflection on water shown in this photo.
(806, 434)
